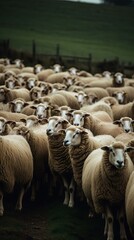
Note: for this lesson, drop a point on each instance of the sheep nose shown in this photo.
(48, 131)
(127, 130)
(65, 142)
(76, 124)
(120, 163)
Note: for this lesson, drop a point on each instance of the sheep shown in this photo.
(44, 74)
(118, 80)
(126, 123)
(36, 92)
(46, 87)
(16, 167)
(62, 111)
(6, 126)
(105, 174)
(124, 110)
(11, 116)
(99, 106)
(33, 122)
(73, 71)
(38, 143)
(129, 203)
(128, 91)
(10, 94)
(98, 92)
(69, 81)
(11, 83)
(96, 125)
(31, 82)
(17, 105)
(81, 98)
(57, 68)
(41, 110)
(57, 77)
(70, 98)
(81, 143)
(24, 76)
(119, 111)
(101, 82)
(59, 158)
(37, 68)
(121, 96)
(57, 87)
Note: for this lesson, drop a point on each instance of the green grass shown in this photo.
(104, 31)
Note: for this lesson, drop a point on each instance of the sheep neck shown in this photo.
(59, 155)
(78, 155)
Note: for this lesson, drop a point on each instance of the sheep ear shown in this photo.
(86, 115)
(117, 122)
(105, 148)
(129, 149)
(23, 120)
(43, 121)
(61, 131)
(33, 107)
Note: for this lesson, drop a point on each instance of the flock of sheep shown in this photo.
(71, 131)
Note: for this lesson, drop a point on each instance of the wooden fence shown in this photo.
(82, 63)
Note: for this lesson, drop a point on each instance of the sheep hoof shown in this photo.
(71, 205)
(90, 215)
(1, 212)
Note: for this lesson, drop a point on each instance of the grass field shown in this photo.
(79, 28)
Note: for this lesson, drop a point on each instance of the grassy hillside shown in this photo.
(80, 28)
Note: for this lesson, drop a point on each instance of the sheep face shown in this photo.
(2, 95)
(120, 96)
(55, 124)
(30, 83)
(73, 137)
(36, 93)
(117, 153)
(57, 68)
(2, 125)
(118, 79)
(81, 97)
(42, 110)
(17, 105)
(79, 118)
(126, 123)
(38, 68)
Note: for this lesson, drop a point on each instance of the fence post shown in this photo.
(34, 51)
(89, 62)
(57, 53)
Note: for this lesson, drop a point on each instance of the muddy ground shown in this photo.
(49, 219)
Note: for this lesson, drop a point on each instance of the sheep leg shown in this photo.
(66, 192)
(1, 204)
(121, 217)
(109, 224)
(19, 200)
(71, 191)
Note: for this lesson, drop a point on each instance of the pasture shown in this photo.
(105, 31)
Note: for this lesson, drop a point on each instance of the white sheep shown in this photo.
(16, 167)
(97, 124)
(106, 172)
(128, 91)
(81, 143)
(10, 94)
(38, 143)
(118, 80)
(124, 110)
(6, 126)
(129, 203)
(59, 158)
(126, 123)
(98, 106)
